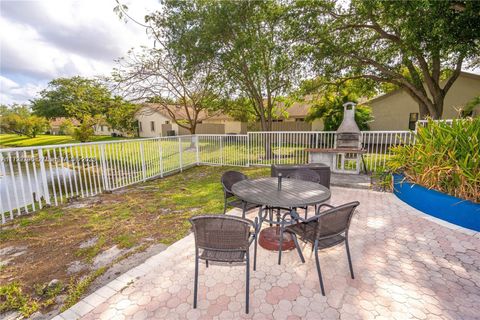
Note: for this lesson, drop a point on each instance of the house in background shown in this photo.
(154, 121)
(396, 110)
(56, 123)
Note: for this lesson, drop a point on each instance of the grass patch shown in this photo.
(158, 210)
(90, 253)
(76, 289)
(13, 140)
(13, 298)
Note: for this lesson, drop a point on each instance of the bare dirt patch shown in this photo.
(74, 241)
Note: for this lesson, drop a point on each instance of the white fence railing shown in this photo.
(31, 178)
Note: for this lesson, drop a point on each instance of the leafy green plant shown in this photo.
(13, 298)
(76, 289)
(445, 157)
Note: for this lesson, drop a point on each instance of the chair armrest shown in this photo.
(324, 205)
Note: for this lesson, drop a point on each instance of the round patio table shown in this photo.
(293, 194)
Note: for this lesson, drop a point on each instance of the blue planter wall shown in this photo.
(443, 206)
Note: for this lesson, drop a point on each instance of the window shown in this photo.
(277, 120)
(167, 122)
(299, 119)
(103, 128)
(152, 125)
(139, 126)
(412, 120)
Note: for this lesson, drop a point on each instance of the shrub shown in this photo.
(444, 157)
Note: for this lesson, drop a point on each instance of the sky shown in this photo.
(41, 40)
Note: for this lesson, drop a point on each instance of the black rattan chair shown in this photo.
(229, 178)
(305, 175)
(224, 238)
(326, 229)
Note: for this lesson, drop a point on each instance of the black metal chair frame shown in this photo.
(251, 237)
(227, 193)
(305, 174)
(321, 242)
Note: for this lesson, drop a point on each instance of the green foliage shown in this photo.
(328, 103)
(72, 97)
(76, 289)
(18, 120)
(12, 298)
(86, 129)
(82, 98)
(245, 41)
(470, 107)
(444, 157)
(413, 45)
(121, 116)
(66, 127)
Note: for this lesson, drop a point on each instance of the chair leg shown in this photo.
(195, 286)
(255, 253)
(206, 263)
(270, 215)
(247, 284)
(306, 212)
(225, 206)
(349, 258)
(294, 236)
(319, 271)
(244, 209)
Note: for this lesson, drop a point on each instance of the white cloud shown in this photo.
(43, 40)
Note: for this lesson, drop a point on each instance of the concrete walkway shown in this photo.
(407, 266)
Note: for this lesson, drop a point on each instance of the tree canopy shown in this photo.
(244, 42)
(84, 99)
(411, 44)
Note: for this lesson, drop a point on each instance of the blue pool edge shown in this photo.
(460, 212)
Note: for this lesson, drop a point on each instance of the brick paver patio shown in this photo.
(407, 266)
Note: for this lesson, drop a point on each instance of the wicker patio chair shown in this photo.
(326, 229)
(305, 175)
(229, 178)
(224, 238)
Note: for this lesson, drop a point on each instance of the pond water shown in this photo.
(28, 189)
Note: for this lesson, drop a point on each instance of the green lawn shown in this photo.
(13, 140)
(136, 217)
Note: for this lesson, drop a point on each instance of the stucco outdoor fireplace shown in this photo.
(346, 154)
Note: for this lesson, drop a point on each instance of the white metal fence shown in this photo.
(31, 178)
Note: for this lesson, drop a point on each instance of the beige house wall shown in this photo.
(317, 125)
(231, 126)
(391, 112)
(145, 119)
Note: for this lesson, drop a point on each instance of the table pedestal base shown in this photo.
(270, 239)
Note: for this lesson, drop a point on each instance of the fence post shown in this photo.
(180, 153)
(279, 147)
(197, 147)
(103, 161)
(221, 150)
(144, 167)
(160, 153)
(9, 203)
(43, 174)
(248, 149)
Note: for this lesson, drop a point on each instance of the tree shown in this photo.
(411, 44)
(85, 130)
(73, 97)
(328, 101)
(243, 41)
(157, 75)
(82, 98)
(18, 122)
(121, 116)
